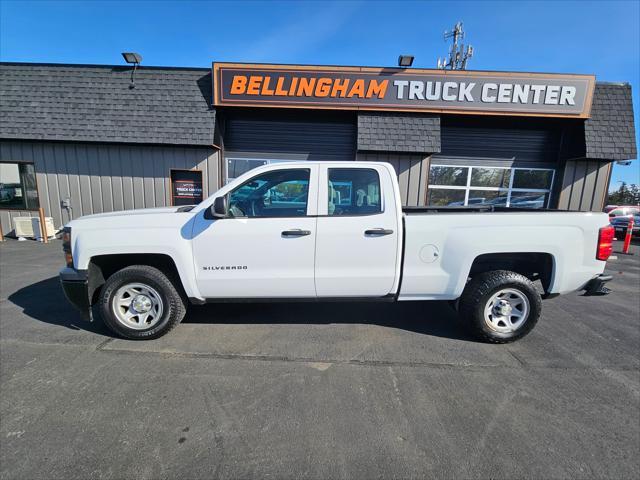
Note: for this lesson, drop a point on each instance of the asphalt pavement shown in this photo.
(315, 390)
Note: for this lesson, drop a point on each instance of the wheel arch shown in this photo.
(101, 267)
(533, 265)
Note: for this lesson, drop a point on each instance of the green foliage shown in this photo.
(625, 195)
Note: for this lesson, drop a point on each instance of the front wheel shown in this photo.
(500, 306)
(140, 302)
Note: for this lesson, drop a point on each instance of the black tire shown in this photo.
(481, 289)
(173, 302)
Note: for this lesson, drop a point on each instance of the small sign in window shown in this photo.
(186, 187)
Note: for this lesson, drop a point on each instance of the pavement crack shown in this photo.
(518, 359)
(278, 358)
(101, 345)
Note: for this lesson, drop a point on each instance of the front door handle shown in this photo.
(378, 232)
(296, 232)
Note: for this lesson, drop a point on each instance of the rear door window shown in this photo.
(354, 191)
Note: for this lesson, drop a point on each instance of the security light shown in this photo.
(135, 59)
(132, 57)
(405, 60)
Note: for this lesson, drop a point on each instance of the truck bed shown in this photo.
(474, 209)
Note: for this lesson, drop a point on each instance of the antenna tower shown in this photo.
(458, 56)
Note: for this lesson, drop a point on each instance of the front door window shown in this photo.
(280, 193)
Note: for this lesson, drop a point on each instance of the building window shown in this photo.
(18, 189)
(452, 185)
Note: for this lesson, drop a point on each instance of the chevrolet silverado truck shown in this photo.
(329, 231)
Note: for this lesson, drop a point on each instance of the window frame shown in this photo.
(35, 177)
(227, 195)
(382, 205)
(508, 190)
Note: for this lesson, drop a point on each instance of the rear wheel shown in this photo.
(500, 306)
(140, 302)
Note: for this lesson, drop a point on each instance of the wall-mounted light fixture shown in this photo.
(134, 59)
(405, 60)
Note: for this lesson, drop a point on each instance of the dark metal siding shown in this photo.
(325, 138)
(105, 177)
(584, 185)
(412, 171)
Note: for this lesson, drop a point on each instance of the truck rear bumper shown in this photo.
(75, 284)
(595, 286)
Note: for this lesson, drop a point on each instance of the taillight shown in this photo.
(605, 243)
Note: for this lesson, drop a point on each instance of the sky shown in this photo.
(601, 38)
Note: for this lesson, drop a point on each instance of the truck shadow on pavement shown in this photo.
(44, 301)
(427, 318)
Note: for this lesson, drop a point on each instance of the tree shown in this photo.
(625, 195)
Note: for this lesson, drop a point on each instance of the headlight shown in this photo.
(66, 246)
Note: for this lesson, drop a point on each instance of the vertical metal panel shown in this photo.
(127, 178)
(403, 178)
(138, 180)
(424, 180)
(588, 188)
(600, 190)
(73, 178)
(115, 164)
(85, 204)
(102, 177)
(415, 174)
(62, 179)
(411, 170)
(578, 186)
(584, 185)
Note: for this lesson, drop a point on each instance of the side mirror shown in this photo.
(220, 207)
(217, 210)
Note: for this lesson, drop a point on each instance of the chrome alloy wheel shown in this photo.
(137, 306)
(507, 310)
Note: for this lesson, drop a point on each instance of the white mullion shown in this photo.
(466, 193)
(448, 187)
(512, 174)
(534, 190)
(553, 177)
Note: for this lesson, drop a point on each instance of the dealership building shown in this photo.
(83, 139)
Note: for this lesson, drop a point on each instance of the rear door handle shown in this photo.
(379, 232)
(296, 232)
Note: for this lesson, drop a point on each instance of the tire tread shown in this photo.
(176, 301)
(479, 287)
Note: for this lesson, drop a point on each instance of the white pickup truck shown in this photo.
(324, 231)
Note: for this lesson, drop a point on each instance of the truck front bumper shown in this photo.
(595, 286)
(75, 284)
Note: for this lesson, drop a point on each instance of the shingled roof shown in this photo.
(609, 132)
(95, 103)
(398, 132)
